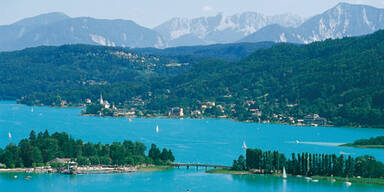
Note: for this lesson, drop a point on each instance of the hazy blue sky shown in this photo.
(150, 13)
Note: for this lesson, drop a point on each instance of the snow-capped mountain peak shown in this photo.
(220, 28)
(343, 20)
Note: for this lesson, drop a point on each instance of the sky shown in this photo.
(150, 13)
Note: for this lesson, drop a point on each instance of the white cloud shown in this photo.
(207, 8)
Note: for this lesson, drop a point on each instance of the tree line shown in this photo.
(39, 149)
(310, 164)
(371, 141)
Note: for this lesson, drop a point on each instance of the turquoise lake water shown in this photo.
(210, 141)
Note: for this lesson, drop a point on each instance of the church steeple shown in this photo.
(101, 99)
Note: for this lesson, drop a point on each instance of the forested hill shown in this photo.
(228, 52)
(49, 68)
(341, 80)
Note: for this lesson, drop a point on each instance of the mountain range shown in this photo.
(344, 20)
(220, 28)
(58, 29)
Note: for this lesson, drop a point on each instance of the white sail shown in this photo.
(244, 145)
(32, 110)
(284, 173)
(157, 128)
(9, 135)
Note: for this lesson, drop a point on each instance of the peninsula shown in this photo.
(60, 153)
(364, 169)
(373, 142)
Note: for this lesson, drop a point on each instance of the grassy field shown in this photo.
(378, 181)
(363, 146)
(228, 171)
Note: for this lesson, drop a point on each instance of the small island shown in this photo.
(313, 167)
(373, 142)
(60, 153)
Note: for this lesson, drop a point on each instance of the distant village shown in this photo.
(209, 109)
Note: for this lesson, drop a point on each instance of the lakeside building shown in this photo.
(62, 161)
(124, 112)
(176, 112)
(314, 119)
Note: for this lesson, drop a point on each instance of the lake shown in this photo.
(211, 141)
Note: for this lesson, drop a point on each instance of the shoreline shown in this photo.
(98, 169)
(14, 170)
(154, 168)
(362, 146)
(81, 106)
(168, 117)
(227, 118)
(375, 181)
(213, 118)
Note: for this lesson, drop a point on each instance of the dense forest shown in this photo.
(310, 164)
(48, 69)
(41, 148)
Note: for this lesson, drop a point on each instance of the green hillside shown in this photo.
(45, 69)
(341, 80)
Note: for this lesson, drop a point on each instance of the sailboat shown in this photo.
(9, 135)
(157, 128)
(284, 173)
(244, 145)
(32, 110)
